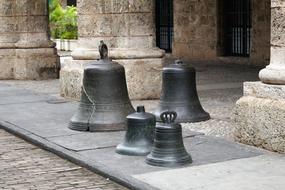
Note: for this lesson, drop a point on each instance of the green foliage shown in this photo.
(63, 22)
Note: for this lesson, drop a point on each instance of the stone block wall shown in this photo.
(121, 24)
(198, 31)
(195, 29)
(26, 50)
(260, 42)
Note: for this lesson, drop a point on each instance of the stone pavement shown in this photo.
(25, 166)
(43, 119)
(34, 111)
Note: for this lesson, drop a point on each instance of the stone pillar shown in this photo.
(127, 27)
(260, 113)
(8, 38)
(275, 72)
(24, 41)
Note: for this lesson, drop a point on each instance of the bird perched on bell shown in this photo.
(105, 101)
(103, 50)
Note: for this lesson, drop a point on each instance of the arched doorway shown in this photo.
(164, 24)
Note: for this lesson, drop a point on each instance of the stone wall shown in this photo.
(198, 31)
(195, 29)
(260, 42)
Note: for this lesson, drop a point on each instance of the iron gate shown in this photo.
(71, 2)
(237, 22)
(164, 24)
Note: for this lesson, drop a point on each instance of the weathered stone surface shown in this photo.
(261, 90)
(199, 33)
(260, 122)
(195, 28)
(39, 63)
(7, 61)
(24, 36)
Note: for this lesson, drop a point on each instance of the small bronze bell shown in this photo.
(139, 136)
(104, 102)
(168, 149)
(180, 95)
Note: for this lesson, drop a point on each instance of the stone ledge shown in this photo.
(261, 90)
(260, 122)
(93, 54)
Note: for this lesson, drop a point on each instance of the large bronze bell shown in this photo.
(168, 149)
(139, 136)
(104, 102)
(180, 95)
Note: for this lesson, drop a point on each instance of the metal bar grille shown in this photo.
(237, 14)
(71, 2)
(164, 24)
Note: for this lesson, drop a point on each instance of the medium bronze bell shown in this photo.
(180, 95)
(104, 102)
(139, 136)
(168, 149)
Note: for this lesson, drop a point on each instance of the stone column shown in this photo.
(26, 25)
(275, 72)
(8, 37)
(127, 27)
(260, 113)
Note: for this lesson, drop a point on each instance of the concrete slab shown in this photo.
(41, 118)
(264, 172)
(45, 124)
(203, 149)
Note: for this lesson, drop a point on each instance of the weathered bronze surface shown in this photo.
(104, 102)
(180, 95)
(168, 149)
(139, 136)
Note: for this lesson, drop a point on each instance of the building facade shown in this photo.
(139, 32)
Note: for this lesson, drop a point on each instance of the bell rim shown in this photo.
(123, 149)
(169, 163)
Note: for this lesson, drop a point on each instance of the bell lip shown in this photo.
(78, 126)
(98, 127)
(182, 162)
(124, 149)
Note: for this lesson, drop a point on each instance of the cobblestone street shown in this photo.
(25, 166)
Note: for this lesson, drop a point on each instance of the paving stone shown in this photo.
(28, 167)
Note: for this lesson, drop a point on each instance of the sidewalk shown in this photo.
(218, 163)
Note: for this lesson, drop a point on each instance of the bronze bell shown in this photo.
(168, 149)
(180, 95)
(104, 102)
(139, 136)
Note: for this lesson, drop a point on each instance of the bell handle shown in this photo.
(168, 116)
(178, 62)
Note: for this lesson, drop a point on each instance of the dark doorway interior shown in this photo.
(237, 26)
(164, 24)
(71, 2)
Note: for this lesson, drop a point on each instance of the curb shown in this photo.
(75, 158)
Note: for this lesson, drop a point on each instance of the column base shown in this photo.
(36, 64)
(7, 62)
(260, 116)
(143, 77)
(29, 64)
(273, 74)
